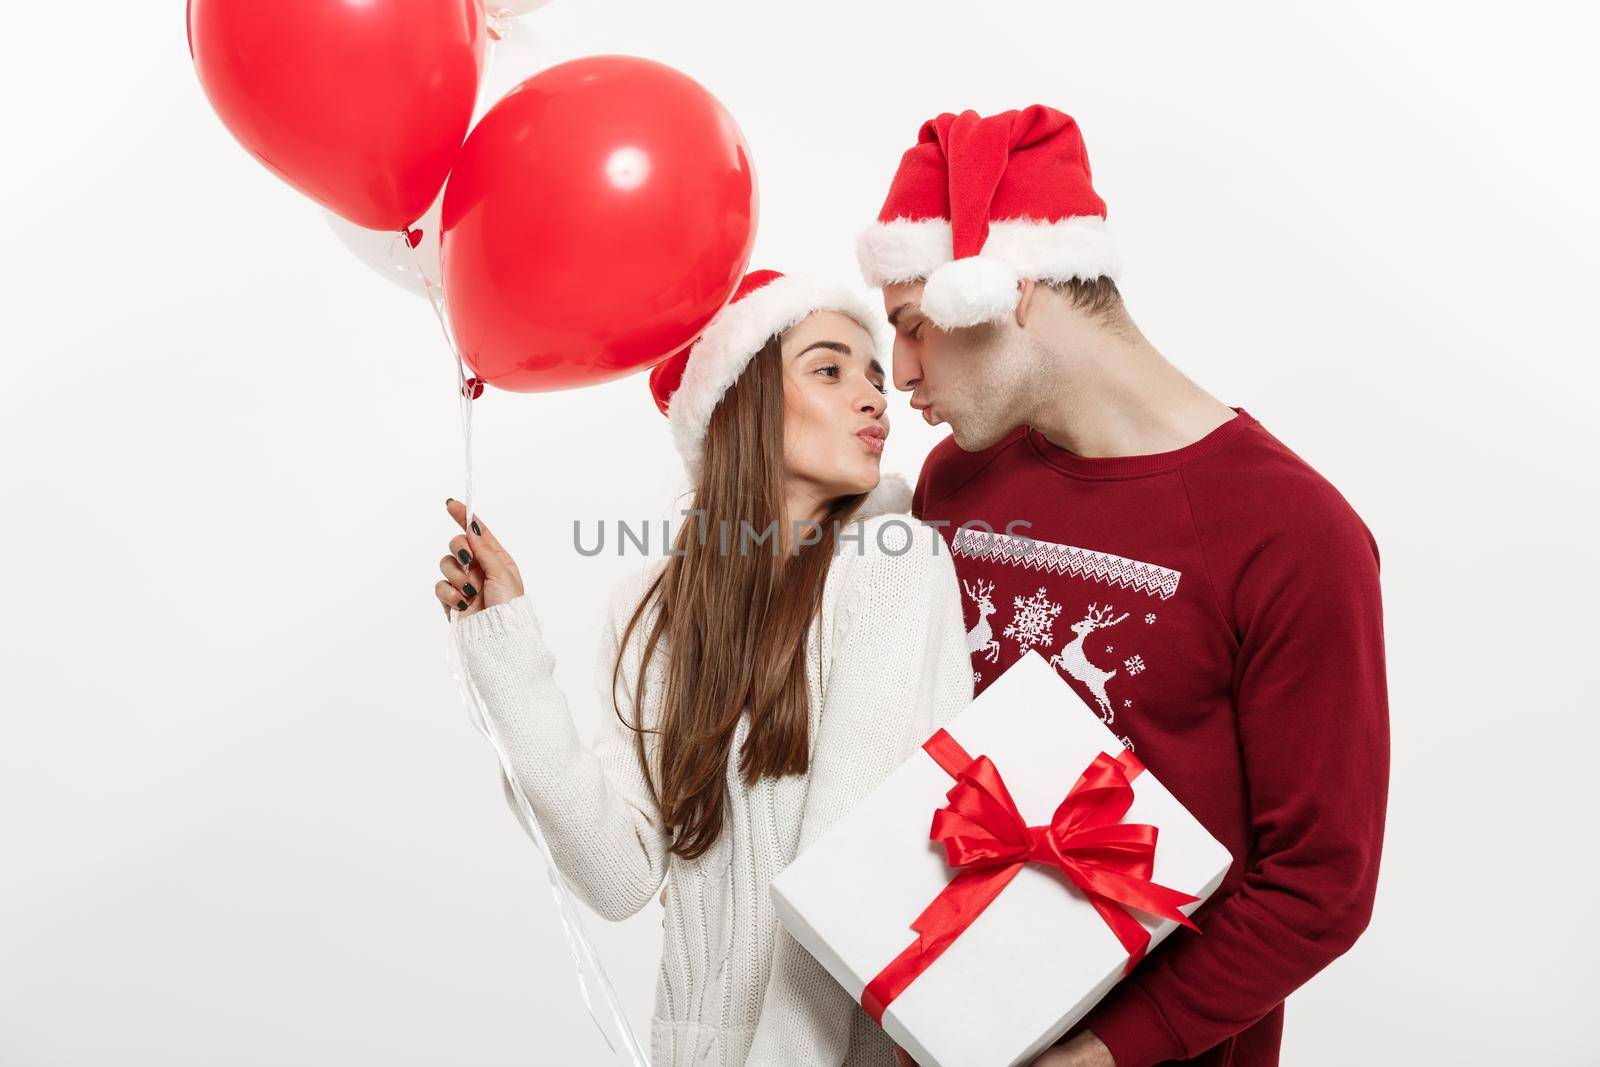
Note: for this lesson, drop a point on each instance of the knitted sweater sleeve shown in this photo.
(901, 670)
(593, 803)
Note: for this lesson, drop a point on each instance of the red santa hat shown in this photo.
(689, 384)
(982, 202)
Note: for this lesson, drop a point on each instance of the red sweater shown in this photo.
(1219, 605)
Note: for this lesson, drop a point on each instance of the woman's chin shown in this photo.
(855, 477)
(866, 481)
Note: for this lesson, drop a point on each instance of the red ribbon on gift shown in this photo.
(984, 835)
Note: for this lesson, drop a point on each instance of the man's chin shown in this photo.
(961, 430)
(969, 438)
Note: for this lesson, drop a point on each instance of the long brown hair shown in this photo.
(734, 618)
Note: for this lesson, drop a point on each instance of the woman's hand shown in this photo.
(1084, 1050)
(478, 573)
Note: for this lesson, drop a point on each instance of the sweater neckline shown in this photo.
(1069, 462)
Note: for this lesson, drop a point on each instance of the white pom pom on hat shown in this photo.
(966, 292)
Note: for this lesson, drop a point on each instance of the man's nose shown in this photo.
(907, 369)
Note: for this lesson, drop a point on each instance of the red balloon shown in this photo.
(359, 104)
(597, 217)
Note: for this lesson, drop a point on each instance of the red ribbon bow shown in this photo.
(986, 838)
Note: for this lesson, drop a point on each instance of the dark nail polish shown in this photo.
(467, 589)
(464, 556)
(475, 528)
(461, 605)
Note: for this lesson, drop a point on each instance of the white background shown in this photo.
(243, 819)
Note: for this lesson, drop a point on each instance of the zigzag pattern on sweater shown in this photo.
(1066, 559)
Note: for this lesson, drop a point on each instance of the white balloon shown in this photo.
(388, 253)
(514, 55)
(517, 55)
(516, 7)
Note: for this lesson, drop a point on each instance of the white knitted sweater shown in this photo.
(888, 665)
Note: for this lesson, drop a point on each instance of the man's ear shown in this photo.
(1025, 290)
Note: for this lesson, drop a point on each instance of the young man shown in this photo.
(1212, 597)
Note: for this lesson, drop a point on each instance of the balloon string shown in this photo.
(578, 941)
(435, 292)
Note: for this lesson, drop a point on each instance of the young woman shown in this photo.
(758, 688)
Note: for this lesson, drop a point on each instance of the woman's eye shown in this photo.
(829, 367)
(881, 387)
(916, 332)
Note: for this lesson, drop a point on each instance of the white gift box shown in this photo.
(1040, 956)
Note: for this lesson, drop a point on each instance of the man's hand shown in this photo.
(1085, 1050)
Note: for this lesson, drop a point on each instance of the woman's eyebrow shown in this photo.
(832, 346)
